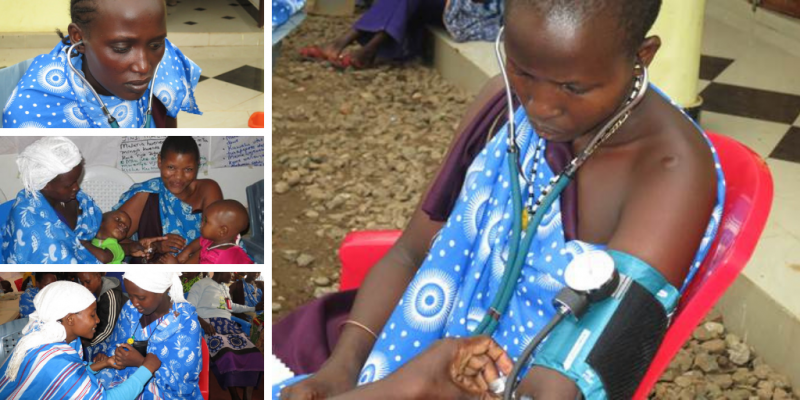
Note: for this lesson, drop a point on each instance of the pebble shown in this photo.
(305, 260)
(276, 307)
(281, 187)
(322, 281)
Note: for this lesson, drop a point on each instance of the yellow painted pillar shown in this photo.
(676, 67)
(34, 16)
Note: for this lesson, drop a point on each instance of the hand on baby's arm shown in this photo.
(167, 259)
(145, 247)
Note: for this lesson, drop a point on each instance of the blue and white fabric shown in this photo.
(252, 294)
(26, 306)
(50, 95)
(176, 216)
(458, 280)
(282, 10)
(35, 235)
(174, 338)
(469, 20)
(52, 371)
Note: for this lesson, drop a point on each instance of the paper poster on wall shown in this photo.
(95, 150)
(140, 153)
(237, 151)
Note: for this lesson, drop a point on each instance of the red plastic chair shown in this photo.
(204, 372)
(748, 200)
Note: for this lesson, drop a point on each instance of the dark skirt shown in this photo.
(404, 21)
(235, 361)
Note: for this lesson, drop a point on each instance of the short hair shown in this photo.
(40, 275)
(635, 17)
(180, 145)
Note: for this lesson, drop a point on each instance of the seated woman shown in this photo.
(172, 204)
(390, 29)
(235, 361)
(651, 189)
(46, 361)
(156, 320)
(124, 69)
(26, 304)
(52, 220)
(108, 292)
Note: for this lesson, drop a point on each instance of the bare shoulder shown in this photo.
(209, 190)
(671, 194)
(673, 147)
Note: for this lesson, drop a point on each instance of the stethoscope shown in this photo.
(518, 248)
(148, 120)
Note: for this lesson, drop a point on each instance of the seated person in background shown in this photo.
(235, 361)
(222, 224)
(244, 291)
(26, 305)
(114, 228)
(46, 362)
(108, 292)
(6, 285)
(188, 279)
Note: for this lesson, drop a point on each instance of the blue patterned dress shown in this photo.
(176, 216)
(458, 280)
(49, 95)
(35, 235)
(26, 306)
(176, 342)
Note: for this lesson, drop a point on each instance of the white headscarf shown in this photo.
(45, 159)
(52, 303)
(158, 282)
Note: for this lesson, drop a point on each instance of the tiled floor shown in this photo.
(751, 92)
(213, 16)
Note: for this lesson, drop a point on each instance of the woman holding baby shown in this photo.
(53, 221)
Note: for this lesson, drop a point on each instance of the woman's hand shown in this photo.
(167, 259)
(127, 356)
(260, 306)
(171, 244)
(151, 362)
(207, 327)
(146, 247)
(329, 381)
(453, 369)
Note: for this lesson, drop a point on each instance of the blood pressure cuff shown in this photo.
(607, 352)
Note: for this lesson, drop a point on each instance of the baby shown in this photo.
(222, 223)
(113, 229)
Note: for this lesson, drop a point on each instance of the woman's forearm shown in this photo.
(382, 289)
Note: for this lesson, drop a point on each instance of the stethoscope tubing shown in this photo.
(111, 120)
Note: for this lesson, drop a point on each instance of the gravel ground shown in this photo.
(354, 150)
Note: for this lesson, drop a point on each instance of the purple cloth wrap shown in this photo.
(404, 21)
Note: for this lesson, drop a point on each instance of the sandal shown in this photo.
(313, 53)
(348, 61)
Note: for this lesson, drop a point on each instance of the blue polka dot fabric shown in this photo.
(49, 95)
(282, 10)
(461, 275)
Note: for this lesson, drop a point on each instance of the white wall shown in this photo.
(233, 181)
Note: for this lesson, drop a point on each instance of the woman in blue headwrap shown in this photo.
(121, 58)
